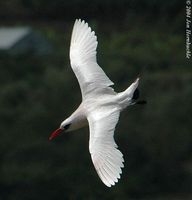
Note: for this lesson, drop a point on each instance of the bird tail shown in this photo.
(130, 95)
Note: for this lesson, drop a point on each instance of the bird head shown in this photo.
(65, 125)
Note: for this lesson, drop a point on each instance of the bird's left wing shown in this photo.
(107, 159)
(83, 59)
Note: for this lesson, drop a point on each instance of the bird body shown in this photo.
(100, 107)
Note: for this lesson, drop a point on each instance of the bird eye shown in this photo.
(67, 126)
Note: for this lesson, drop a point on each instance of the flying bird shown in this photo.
(100, 107)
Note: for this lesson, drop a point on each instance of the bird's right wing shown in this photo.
(107, 159)
(83, 59)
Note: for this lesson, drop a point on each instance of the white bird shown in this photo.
(100, 107)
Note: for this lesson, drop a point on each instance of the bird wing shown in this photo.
(83, 59)
(107, 159)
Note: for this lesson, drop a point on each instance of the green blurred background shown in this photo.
(39, 90)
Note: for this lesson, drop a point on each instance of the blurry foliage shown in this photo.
(37, 93)
(86, 8)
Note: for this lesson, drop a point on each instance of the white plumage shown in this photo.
(83, 59)
(100, 107)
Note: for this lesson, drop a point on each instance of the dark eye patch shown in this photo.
(67, 126)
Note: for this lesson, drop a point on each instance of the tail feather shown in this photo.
(141, 102)
(136, 94)
(129, 96)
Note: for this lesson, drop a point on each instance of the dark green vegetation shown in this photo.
(37, 93)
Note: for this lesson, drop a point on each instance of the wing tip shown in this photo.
(112, 182)
(83, 22)
(83, 41)
(109, 174)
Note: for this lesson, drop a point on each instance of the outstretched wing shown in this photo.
(83, 59)
(107, 159)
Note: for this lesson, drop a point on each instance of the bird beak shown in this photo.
(55, 133)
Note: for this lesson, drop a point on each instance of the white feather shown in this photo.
(83, 59)
(100, 106)
(107, 159)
